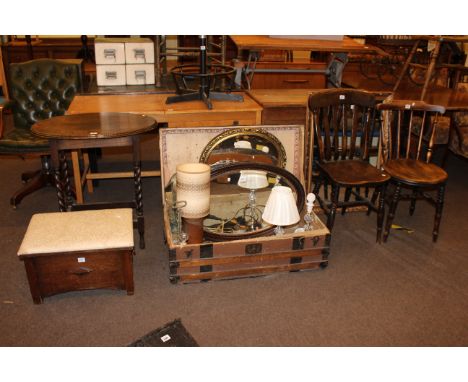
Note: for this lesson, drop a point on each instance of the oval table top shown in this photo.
(93, 126)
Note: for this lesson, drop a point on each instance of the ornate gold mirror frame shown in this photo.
(244, 145)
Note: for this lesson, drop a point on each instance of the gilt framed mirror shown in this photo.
(238, 200)
(244, 145)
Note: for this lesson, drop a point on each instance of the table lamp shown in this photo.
(253, 180)
(281, 209)
(193, 187)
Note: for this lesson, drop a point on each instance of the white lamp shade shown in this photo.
(242, 145)
(193, 187)
(281, 209)
(253, 179)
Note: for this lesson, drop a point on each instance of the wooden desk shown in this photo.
(339, 48)
(185, 114)
(288, 106)
(451, 99)
(262, 42)
(93, 130)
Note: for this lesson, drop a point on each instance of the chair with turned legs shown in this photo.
(408, 134)
(343, 122)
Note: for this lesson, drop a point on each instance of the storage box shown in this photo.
(71, 251)
(110, 75)
(245, 257)
(109, 51)
(140, 74)
(139, 51)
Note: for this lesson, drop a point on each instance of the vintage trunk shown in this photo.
(245, 257)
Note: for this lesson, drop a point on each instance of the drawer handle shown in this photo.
(81, 271)
(111, 75)
(139, 53)
(296, 81)
(140, 74)
(109, 53)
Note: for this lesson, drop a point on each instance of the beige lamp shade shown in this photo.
(193, 187)
(252, 179)
(242, 145)
(281, 209)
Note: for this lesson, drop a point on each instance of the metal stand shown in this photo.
(203, 93)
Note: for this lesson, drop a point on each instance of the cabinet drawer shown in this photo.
(285, 75)
(139, 51)
(109, 52)
(110, 75)
(140, 74)
(72, 272)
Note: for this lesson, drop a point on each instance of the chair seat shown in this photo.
(415, 172)
(354, 173)
(22, 140)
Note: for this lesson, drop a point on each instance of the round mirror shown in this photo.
(239, 192)
(244, 145)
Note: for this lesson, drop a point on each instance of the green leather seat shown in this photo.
(39, 89)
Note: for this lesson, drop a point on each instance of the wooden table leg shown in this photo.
(55, 159)
(138, 190)
(77, 176)
(430, 69)
(406, 65)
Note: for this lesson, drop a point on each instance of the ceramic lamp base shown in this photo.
(194, 230)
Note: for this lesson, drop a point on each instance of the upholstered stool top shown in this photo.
(78, 231)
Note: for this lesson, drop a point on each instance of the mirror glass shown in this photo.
(238, 195)
(244, 145)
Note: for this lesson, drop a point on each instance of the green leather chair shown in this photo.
(38, 89)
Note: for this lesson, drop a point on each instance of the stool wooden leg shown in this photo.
(33, 280)
(128, 273)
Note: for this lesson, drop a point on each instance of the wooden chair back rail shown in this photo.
(343, 123)
(413, 134)
(337, 129)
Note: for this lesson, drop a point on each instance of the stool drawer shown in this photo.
(66, 272)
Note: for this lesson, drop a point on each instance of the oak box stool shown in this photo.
(71, 251)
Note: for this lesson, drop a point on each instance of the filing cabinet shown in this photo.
(140, 74)
(139, 51)
(111, 75)
(124, 61)
(109, 51)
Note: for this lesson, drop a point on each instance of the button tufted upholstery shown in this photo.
(39, 89)
(42, 89)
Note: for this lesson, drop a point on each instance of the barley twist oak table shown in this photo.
(95, 130)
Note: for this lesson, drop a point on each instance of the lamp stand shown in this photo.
(203, 93)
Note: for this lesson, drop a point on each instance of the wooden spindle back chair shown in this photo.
(343, 123)
(408, 132)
